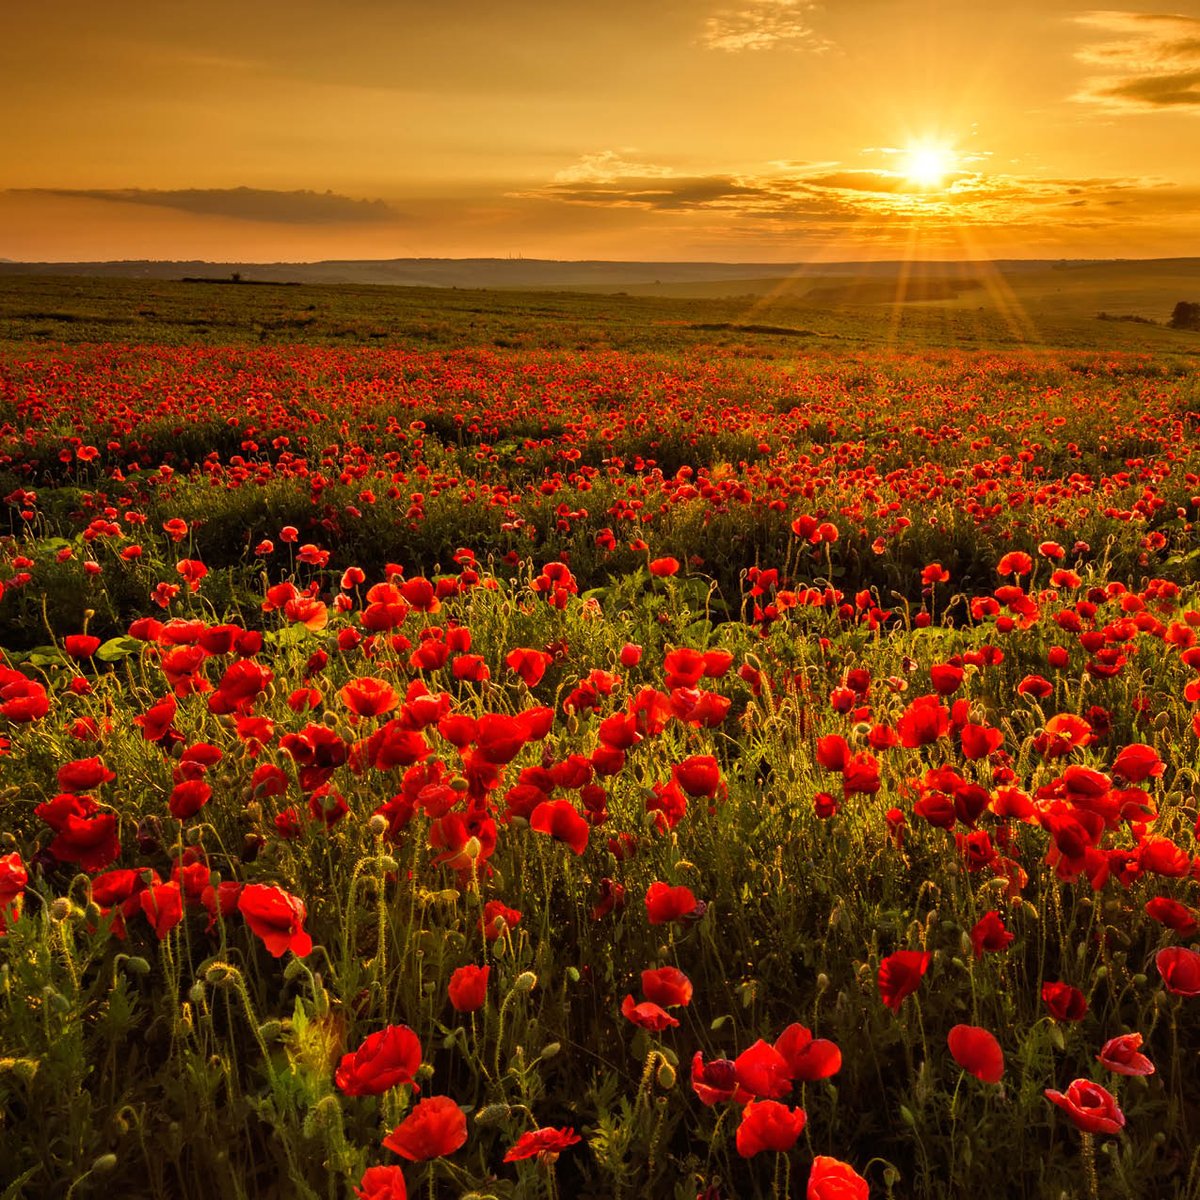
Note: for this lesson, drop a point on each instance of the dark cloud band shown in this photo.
(241, 203)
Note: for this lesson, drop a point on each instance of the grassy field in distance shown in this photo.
(1042, 308)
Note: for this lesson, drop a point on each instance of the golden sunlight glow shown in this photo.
(928, 163)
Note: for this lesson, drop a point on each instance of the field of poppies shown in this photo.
(516, 772)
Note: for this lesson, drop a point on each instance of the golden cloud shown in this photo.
(1151, 63)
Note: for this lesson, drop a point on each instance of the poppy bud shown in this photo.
(492, 1114)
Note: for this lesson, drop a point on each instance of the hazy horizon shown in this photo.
(679, 262)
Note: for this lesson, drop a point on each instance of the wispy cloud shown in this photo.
(1150, 63)
(608, 179)
(241, 203)
(763, 25)
(607, 165)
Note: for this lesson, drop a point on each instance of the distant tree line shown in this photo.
(1135, 317)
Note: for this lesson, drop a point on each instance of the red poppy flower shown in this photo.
(664, 566)
(81, 645)
(667, 986)
(1122, 1055)
(420, 594)
(23, 700)
(825, 805)
(496, 918)
(978, 741)
(647, 1015)
(1092, 1108)
(277, 917)
(924, 721)
(220, 901)
(530, 665)
(156, 721)
(1161, 856)
(833, 752)
(327, 805)
(83, 834)
(368, 697)
(1180, 970)
(435, 1128)
(1065, 1002)
(808, 1058)
(386, 1059)
(499, 738)
(763, 1071)
(83, 775)
(860, 776)
(1085, 784)
(669, 804)
(542, 1143)
(188, 798)
(630, 655)
(468, 988)
(900, 975)
(472, 668)
(832, 1179)
(1172, 914)
(192, 571)
(1063, 733)
(162, 904)
(683, 668)
(1015, 562)
(713, 1082)
(1137, 763)
(612, 899)
(698, 775)
(382, 1183)
(702, 710)
(561, 821)
(977, 1052)
(13, 878)
(534, 723)
(716, 663)
(769, 1125)
(1035, 686)
(665, 904)
(989, 934)
(946, 678)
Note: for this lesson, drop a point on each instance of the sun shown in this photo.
(927, 164)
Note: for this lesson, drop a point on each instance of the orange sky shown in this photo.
(763, 130)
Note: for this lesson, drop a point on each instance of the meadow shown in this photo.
(485, 745)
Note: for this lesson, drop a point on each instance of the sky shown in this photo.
(727, 130)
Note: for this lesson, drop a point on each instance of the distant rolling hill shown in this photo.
(1142, 288)
(522, 273)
